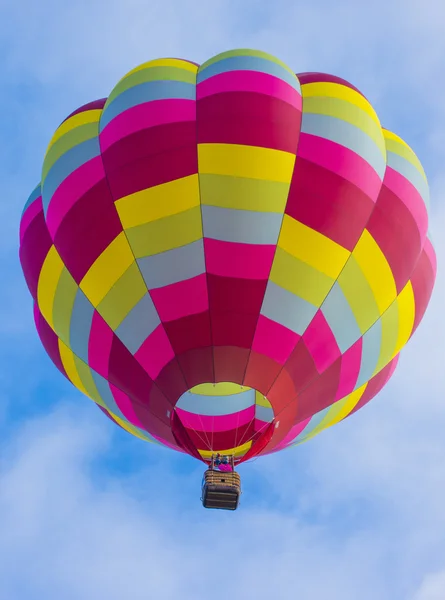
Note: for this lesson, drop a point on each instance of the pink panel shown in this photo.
(341, 161)
(181, 299)
(409, 195)
(231, 259)
(125, 406)
(29, 215)
(156, 352)
(144, 116)
(99, 345)
(71, 189)
(431, 254)
(274, 340)
(321, 342)
(293, 433)
(216, 423)
(350, 368)
(249, 81)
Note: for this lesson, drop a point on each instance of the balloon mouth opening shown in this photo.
(223, 417)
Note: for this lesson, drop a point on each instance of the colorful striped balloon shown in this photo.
(228, 257)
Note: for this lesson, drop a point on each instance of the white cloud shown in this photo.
(69, 533)
(432, 588)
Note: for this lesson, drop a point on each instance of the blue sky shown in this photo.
(86, 511)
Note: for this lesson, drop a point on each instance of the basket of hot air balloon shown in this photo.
(227, 258)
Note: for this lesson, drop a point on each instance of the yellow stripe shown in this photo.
(129, 428)
(122, 297)
(86, 378)
(88, 116)
(70, 367)
(239, 450)
(48, 280)
(335, 90)
(107, 269)
(359, 295)
(246, 161)
(404, 151)
(407, 311)
(376, 270)
(350, 113)
(390, 330)
(166, 234)
(243, 194)
(392, 136)
(164, 62)
(312, 247)
(222, 388)
(262, 400)
(340, 410)
(159, 201)
(299, 278)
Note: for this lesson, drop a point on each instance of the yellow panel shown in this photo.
(239, 450)
(107, 269)
(405, 152)
(376, 269)
(262, 400)
(340, 410)
(246, 161)
(63, 305)
(335, 90)
(312, 247)
(359, 295)
(129, 428)
(241, 193)
(159, 201)
(86, 378)
(390, 330)
(299, 278)
(166, 234)
(70, 367)
(48, 280)
(122, 297)
(88, 116)
(341, 109)
(392, 136)
(407, 311)
(222, 388)
(165, 62)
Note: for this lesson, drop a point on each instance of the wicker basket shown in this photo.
(221, 489)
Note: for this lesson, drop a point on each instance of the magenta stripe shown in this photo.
(216, 423)
(410, 197)
(144, 116)
(274, 340)
(342, 161)
(71, 189)
(181, 299)
(431, 254)
(293, 434)
(99, 345)
(350, 368)
(124, 404)
(165, 443)
(321, 342)
(232, 259)
(259, 425)
(29, 215)
(249, 81)
(156, 352)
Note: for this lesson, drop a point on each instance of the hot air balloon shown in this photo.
(227, 258)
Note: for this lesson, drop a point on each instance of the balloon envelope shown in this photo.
(228, 257)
